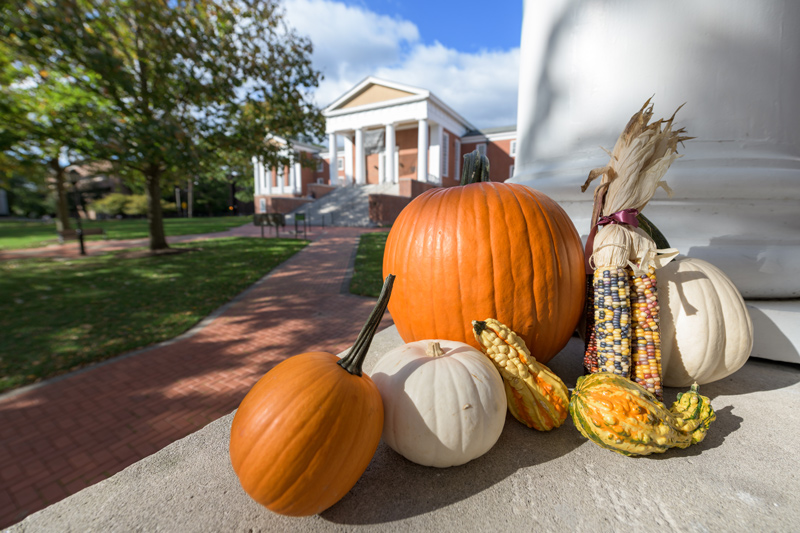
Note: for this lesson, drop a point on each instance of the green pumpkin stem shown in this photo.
(353, 361)
(654, 233)
(476, 168)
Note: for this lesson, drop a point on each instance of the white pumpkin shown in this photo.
(706, 331)
(442, 407)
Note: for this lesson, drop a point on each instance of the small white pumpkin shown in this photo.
(444, 402)
(706, 331)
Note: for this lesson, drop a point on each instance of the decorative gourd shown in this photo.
(706, 331)
(535, 395)
(307, 430)
(486, 249)
(444, 403)
(620, 415)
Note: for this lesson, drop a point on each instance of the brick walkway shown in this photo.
(63, 435)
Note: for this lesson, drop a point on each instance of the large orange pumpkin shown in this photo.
(307, 430)
(486, 249)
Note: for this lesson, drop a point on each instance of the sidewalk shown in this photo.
(61, 436)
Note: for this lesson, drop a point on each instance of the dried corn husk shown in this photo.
(640, 158)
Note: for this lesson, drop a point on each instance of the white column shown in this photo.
(348, 160)
(389, 166)
(256, 176)
(281, 188)
(298, 176)
(361, 175)
(422, 150)
(291, 178)
(334, 159)
(266, 177)
(435, 152)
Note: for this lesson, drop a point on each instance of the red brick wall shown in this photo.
(406, 142)
(280, 204)
(385, 208)
(411, 188)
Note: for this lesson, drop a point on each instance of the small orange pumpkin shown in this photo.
(306, 431)
(486, 249)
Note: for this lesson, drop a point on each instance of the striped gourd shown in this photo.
(618, 414)
(535, 395)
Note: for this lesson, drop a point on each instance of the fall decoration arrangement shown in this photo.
(306, 432)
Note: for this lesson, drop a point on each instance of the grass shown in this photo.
(59, 315)
(35, 234)
(368, 270)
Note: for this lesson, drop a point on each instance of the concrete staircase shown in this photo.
(345, 206)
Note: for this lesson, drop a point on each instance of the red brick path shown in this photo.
(66, 434)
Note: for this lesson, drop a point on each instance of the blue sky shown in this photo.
(464, 52)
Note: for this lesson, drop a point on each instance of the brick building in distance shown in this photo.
(382, 132)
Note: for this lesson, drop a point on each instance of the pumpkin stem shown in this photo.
(434, 350)
(476, 168)
(354, 359)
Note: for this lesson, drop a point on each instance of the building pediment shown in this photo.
(373, 92)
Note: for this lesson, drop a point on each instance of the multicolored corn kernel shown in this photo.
(612, 319)
(646, 341)
(590, 337)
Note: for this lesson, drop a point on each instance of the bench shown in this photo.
(269, 219)
(72, 234)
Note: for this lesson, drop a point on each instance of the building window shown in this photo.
(457, 159)
(511, 172)
(262, 205)
(482, 148)
(340, 163)
(512, 151)
(445, 154)
(319, 165)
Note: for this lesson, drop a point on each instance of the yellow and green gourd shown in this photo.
(620, 415)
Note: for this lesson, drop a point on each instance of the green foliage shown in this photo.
(60, 315)
(178, 89)
(112, 204)
(367, 277)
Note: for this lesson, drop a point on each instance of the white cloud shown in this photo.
(351, 43)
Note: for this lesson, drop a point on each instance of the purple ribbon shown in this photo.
(626, 216)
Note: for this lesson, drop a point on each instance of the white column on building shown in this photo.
(435, 154)
(298, 176)
(281, 180)
(361, 175)
(333, 158)
(266, 178)
(348, 159)
(291, 178)
(256, 176)
(389, 165)
(422, 150)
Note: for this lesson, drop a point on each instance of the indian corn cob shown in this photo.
(612, 317)
(646, 343)
(590, 337)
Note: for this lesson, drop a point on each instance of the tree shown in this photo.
(186, 80)
(45, 119)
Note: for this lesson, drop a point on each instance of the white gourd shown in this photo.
(440, 410)
(706, 331)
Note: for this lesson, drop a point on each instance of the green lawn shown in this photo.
(368, 270)
(57, 315)
(34, 234)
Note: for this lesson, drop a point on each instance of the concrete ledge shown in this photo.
(744, 476)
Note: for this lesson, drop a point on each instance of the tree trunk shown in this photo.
(62, 208)
(155, 220)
